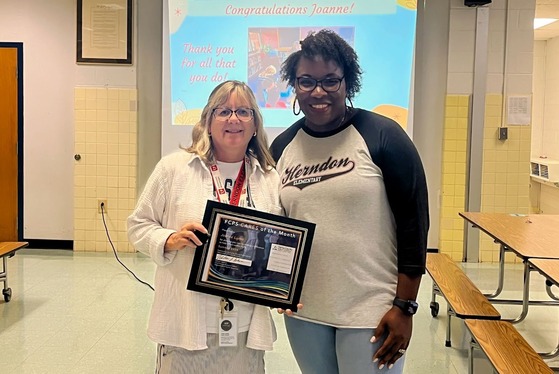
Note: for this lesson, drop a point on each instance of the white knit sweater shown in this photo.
(176, 193)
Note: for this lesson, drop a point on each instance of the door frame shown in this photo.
(19, 48)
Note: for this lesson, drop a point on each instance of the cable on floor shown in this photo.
(114, 250)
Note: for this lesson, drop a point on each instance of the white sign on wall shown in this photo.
(519, 110)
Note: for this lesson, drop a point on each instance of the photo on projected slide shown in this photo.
(211, 41)
(268, 47)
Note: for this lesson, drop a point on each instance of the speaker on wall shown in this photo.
(476, 2)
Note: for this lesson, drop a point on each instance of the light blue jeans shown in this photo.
(321, 349)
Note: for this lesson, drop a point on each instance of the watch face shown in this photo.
(408, 306)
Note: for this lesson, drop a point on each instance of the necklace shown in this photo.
(328, 128)
(343, 119)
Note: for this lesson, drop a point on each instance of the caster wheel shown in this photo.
(434, 308)
(7, 294)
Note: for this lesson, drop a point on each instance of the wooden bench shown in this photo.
(505, 348)
(8, 249)
(464, 299)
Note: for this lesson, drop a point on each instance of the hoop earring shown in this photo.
(296, 113)
(253, 135)
(350, 103)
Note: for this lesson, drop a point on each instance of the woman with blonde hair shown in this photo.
(228, 161)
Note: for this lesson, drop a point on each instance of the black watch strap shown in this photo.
(409, 307)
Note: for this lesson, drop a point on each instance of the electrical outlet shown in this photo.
(503, 133)
(99, 203)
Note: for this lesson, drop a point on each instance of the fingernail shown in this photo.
(373, 339)
(375, 360)
(390, 366)
(381, 366)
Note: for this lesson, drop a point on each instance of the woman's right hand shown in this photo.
(185, 238)
(289, 312)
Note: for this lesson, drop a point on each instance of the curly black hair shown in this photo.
(331, 47)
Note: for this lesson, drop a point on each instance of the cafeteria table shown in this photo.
(527, 236)
(8, 249)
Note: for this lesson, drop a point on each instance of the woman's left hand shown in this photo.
(399, 328)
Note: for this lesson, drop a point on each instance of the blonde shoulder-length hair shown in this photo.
(201, 140)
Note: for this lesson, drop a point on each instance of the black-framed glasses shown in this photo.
(243, 114)
(308, 84)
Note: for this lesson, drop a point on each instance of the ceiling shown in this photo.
(547, 9)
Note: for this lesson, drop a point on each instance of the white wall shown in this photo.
(538, 88)
(545, 116)
(509, 53)
(550, 125)
(461, 48)
(150, 50)
(511, 45)
(48, 32)
(431, 61)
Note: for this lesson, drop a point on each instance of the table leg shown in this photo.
(550, 293)
(525, 301)
(434, 305)
(4, 272)
(551, 354)
(501, 274)
(449, 313)
(473, 344)
(525, 293)
(6, 291)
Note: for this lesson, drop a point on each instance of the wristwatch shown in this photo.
(409, 307)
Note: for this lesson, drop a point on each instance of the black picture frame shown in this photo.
(252, 256)
(104, 32)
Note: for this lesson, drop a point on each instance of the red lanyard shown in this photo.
(239, 191)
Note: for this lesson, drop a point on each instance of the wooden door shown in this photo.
(8, 144)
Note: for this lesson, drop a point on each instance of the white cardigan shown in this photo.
(176, 193)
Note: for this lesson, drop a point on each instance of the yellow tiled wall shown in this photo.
(105, 138)
(453, 191)
(505, 178)
(505, 173)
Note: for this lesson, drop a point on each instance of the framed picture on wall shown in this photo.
(104, 32)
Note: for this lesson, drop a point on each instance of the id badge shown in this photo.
(227, 329)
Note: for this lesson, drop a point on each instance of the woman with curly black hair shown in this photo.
(358, 176)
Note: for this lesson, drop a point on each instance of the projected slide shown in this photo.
(216, 40)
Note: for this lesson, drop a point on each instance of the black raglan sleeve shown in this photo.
(394, 153)
(283, 139)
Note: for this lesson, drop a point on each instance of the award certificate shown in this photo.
(252, 256)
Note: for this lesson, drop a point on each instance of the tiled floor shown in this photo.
(83, 313)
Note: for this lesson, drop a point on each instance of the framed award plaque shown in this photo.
(252, 256)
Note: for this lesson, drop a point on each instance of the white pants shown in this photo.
(214, 360)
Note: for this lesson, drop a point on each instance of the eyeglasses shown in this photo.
(308, 84)
(243, 114)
